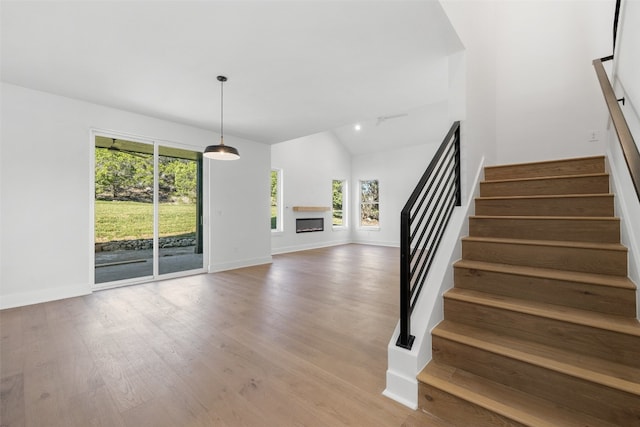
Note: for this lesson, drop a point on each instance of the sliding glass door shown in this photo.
(179, 210)
(148, 211)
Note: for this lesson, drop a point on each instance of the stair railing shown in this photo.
(423, 221)
(629, 147)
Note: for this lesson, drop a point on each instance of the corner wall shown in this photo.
(309, 165)
(548, 102)
(46, 201)
(397, 172)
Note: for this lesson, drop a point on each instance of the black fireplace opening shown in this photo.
(308, 225)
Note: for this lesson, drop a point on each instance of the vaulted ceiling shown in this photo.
(294, 68)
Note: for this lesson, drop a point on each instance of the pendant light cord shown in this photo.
(222, 112)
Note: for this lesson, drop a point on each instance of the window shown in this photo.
(369, 209)
(276, 199)
(339, 195)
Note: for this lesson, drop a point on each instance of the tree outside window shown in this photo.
(369, 206)
(276, 199)
(338, 205)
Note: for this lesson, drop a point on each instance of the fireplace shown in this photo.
(308, 225)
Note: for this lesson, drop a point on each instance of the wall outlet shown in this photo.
(594, 136)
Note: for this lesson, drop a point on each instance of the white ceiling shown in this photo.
(294, 68)
(427, 124)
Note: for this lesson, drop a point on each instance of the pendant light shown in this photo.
(221, 151)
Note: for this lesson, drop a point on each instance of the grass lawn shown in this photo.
(134, 220)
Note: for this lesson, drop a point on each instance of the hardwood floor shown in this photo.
(299, 342)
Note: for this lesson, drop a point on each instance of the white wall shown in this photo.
(626, 84)
(627, 65)
(548, 98)
(309, 165)
(239, 206)
(472, 78)
(397, 172)
(46, 200)
(530, 84)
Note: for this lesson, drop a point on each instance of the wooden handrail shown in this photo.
(629, 147)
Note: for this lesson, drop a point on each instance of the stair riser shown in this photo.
(459, 411)
(571, 185)
(584, 396)
(588, 260)
(575, 230)
(604, 299)
(553, 206)
(613, 346)
(554, 168)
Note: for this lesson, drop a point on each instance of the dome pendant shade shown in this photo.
(221, 151)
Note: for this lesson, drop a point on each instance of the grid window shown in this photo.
(339, 214)
(369, 204)
(276, 199)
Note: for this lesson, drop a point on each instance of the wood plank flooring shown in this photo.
(301, 342)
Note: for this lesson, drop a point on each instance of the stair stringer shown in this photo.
(403, 365)
(627, 208)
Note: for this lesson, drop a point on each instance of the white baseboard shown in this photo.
(377, 243)
(45, 295)
(308, 246)
(408, 386)
(224, 266)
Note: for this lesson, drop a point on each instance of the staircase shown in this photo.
(540, 328)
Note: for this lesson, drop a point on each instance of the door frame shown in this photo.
(203, 222)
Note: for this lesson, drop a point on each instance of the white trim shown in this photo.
(91, 279)
(124, 282)
(369, 227)
(377, 243)
(156, 210)
(232, 265)
(182, 273)
(309, 246)
(401, 382)
(45, 295)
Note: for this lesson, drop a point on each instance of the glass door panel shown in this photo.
(124, 209)
(179, 210)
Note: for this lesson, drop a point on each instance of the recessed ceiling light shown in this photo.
(357, 126)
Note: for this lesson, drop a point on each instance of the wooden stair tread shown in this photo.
(544, 178)
(608, 322)
(552, 167)
(603, 372)
(509, 352)
(545, 196)
(547, 218)
(555, 243)
(546, 162)
(550, 273)
(510, 403)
